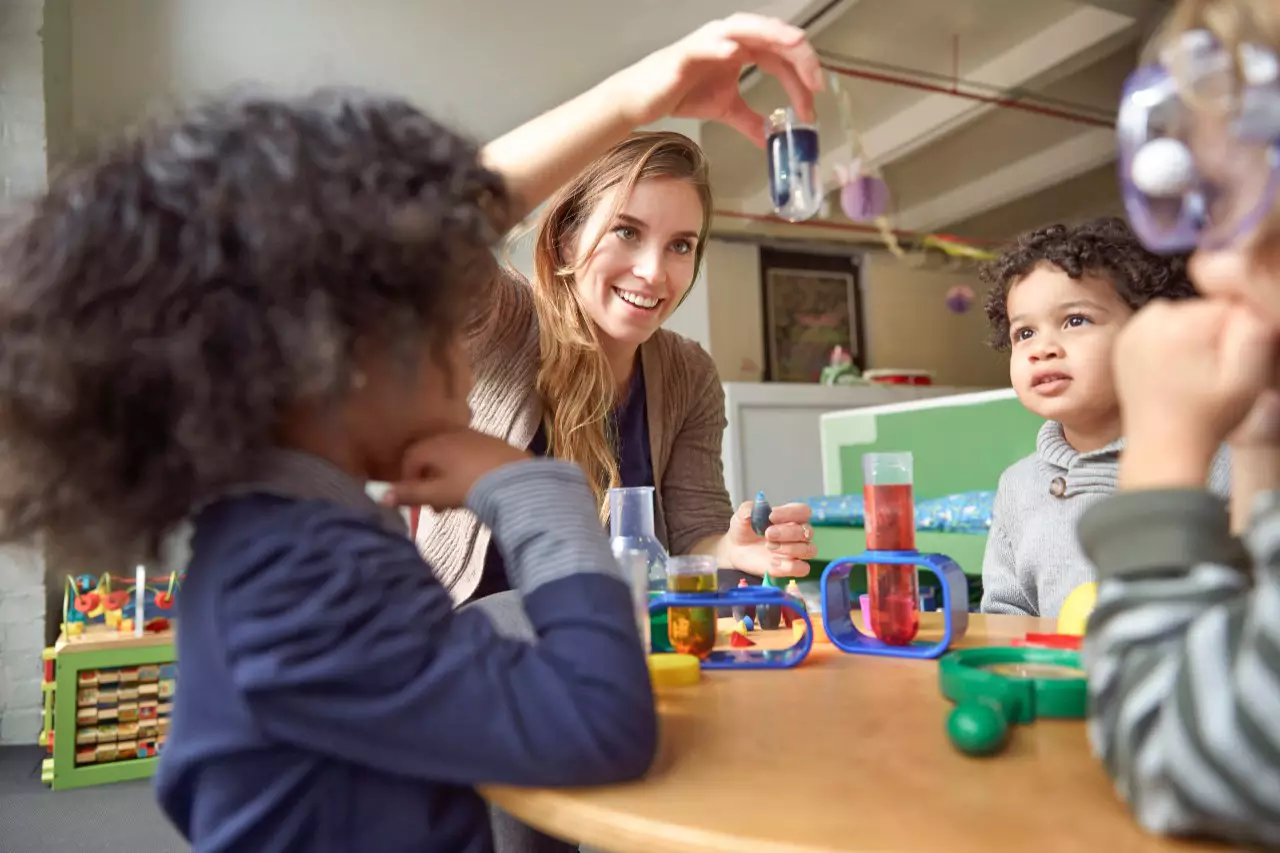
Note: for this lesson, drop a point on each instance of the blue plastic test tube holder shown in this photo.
(758, 596)
(836, 604)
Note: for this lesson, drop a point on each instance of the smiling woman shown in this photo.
(575, 365)
(617, 250)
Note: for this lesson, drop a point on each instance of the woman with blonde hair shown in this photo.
(575, 365)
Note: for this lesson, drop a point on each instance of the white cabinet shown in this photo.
(771, 442)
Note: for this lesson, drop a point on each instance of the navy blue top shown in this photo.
(630, 421)
(332, 699)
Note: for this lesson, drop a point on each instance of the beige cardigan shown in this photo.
(685, 403)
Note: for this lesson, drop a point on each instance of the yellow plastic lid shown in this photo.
(674, 670)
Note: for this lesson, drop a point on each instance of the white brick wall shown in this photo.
(21, 639)
(22, 171)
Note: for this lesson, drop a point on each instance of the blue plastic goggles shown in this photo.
(1199, 143)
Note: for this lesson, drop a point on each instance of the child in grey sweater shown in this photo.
(1059, 297)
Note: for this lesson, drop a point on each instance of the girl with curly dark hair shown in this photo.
(243, 315)
(1060, 295)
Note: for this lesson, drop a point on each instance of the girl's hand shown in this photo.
(440, 471)
(1187, 374)
(784, 548)
(697, 77)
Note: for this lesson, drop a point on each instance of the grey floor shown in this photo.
(123, 817)
(118, 818)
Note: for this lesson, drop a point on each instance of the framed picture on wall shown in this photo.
(807, 313)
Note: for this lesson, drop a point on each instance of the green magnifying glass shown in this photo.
(995, 687)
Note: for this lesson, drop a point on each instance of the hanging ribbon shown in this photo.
(864, 194)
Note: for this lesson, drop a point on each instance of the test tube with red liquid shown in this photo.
(894, 591)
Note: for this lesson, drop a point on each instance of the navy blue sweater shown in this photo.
(331, 699)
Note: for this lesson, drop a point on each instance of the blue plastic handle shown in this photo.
(836, 604)
(745, 597)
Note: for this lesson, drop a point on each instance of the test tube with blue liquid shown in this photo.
(792, 150)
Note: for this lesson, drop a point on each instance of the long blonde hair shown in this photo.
(575, 382)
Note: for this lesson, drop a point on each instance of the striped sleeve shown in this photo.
(1183, 658)
(543, 517)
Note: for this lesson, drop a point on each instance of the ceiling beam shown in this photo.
(1046, 168)
(934, 116)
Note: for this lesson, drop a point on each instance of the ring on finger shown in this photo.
(806, 532)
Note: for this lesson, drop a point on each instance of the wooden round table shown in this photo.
(844, 753)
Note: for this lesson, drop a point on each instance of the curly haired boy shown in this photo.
(1059, 297)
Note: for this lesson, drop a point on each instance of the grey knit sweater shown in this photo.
(1033, 558)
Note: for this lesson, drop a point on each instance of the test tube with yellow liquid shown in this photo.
(692, 630)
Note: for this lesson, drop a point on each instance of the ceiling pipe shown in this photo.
(954, 90)
(851, 227)
(953, 80)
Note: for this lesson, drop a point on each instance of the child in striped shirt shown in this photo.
(1183, 648)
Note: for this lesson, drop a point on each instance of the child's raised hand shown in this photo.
(697, 77)
(1186, 375)
(440, 471)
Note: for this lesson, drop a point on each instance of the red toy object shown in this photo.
(85, 603)
(898, 377)
(157, 626)
(116, 600)
(740, 641)
(1051, 641)
(164, 600)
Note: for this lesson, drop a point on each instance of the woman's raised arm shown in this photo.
(696, 77)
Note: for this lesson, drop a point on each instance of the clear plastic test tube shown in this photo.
(893, 590)
(791, 147)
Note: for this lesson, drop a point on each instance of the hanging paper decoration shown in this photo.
(863, 197)
(960, 299)
(954, 247)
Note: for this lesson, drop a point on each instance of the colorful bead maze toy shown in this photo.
(109, 681)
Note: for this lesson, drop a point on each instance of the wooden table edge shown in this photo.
(607, 830)
(550, 811)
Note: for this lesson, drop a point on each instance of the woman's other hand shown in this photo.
(784, 549)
